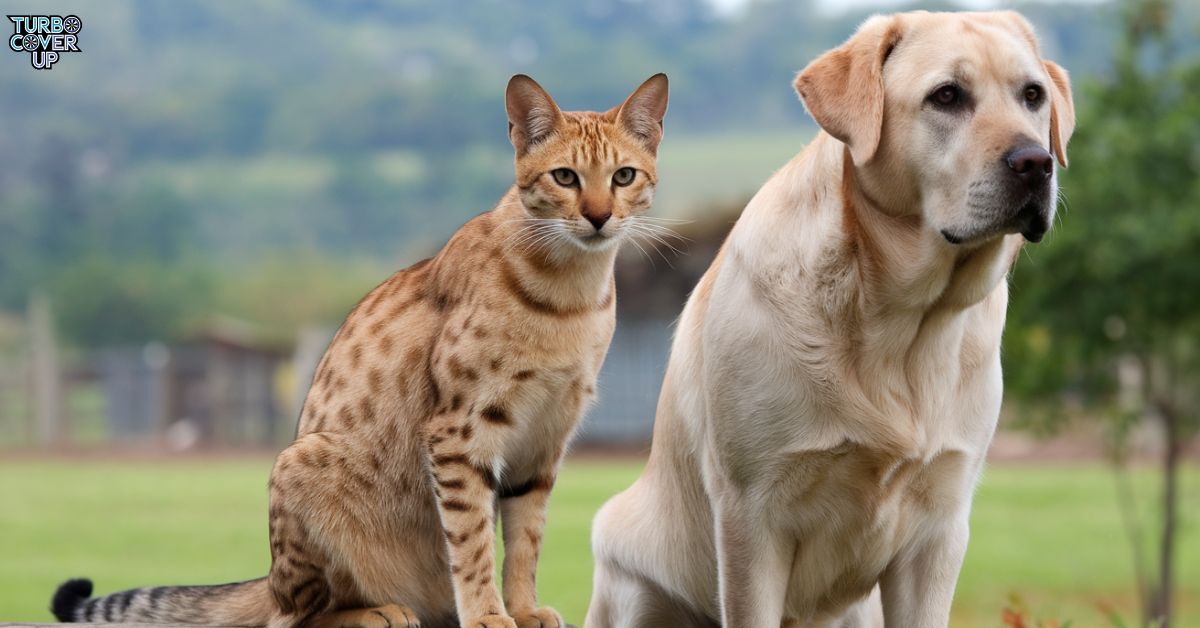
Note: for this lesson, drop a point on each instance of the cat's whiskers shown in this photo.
(532, 230)
(663, 219)
(655, 235)
(522, 239)
(548, 240)
(634, 242)
(657, 232)
(542, 243)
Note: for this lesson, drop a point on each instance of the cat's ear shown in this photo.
(642, 113)
(532, 114)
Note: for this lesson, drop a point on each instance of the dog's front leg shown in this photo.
(918, 586)
(753, 564)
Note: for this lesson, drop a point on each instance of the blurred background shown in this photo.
(190, 205)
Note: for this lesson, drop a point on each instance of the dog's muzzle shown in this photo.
(1031, 168)
(1032, 221)
(1028, 204)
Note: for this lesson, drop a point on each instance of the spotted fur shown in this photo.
(448, 394)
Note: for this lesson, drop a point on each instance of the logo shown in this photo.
(45, 37)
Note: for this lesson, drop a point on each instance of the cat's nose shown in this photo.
(597, 218)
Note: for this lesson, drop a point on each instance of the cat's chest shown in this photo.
(499, 350)
(514, 377)
(543, 412)
(546, 399)
(522, 388)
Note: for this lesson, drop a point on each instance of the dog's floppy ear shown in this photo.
(843, 88)
(532, 114)
(642, 113)
(1062, 111)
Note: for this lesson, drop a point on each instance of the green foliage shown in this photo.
(1120, 275)
(208, 137)
(1112, 312)
(103, 301)
(288, 290)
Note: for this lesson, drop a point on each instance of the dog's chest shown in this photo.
(854, 509)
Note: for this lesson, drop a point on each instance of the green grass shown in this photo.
(697, 172)
(1050, 534)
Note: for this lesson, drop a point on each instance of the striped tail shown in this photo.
(236, 604)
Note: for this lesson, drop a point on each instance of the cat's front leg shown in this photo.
(523, 512)
(466, 494)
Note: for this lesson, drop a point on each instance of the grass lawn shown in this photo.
(1050, 534)
(702, 170)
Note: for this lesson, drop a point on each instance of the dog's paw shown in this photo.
(491, 621)
(544, 617)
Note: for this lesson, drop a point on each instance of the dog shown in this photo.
(834, 380)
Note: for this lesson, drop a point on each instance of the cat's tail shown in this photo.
(236, 604)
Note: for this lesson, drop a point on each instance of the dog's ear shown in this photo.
(1062, 111)
(843, 88)
(642, 113)
(532, 114)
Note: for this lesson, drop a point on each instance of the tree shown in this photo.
(1109, 310)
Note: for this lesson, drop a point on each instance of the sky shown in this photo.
(837, 6)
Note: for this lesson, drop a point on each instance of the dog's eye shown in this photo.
(565, 177)
(1034, 94)
(949, 96)
(623, 176)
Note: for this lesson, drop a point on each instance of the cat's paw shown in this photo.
(544, 617)
(491, 621)
(389, 616)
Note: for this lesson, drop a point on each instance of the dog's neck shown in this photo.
(917, 294)
(873, 286)
(908, 265)
(815, 221)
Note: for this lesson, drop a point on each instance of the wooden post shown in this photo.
(45, 378)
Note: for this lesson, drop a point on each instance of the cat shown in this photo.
(450, 390)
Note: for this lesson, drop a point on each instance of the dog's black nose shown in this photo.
(1032, 164)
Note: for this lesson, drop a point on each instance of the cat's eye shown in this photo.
(565, 177)
(623, 176)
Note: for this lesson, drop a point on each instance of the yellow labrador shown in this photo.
(834, 382)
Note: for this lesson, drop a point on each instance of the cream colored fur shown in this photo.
(835, 381)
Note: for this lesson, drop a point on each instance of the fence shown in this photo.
(216, 392)
(629, 385)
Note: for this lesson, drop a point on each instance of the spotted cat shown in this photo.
(449, 392)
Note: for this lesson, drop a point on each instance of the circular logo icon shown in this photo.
(72, 24)
(30, 42)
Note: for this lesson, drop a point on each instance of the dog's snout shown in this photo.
(1033, 222)
(1031, 164)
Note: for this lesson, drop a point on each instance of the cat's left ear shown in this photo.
(642, 113)
(532, 114)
